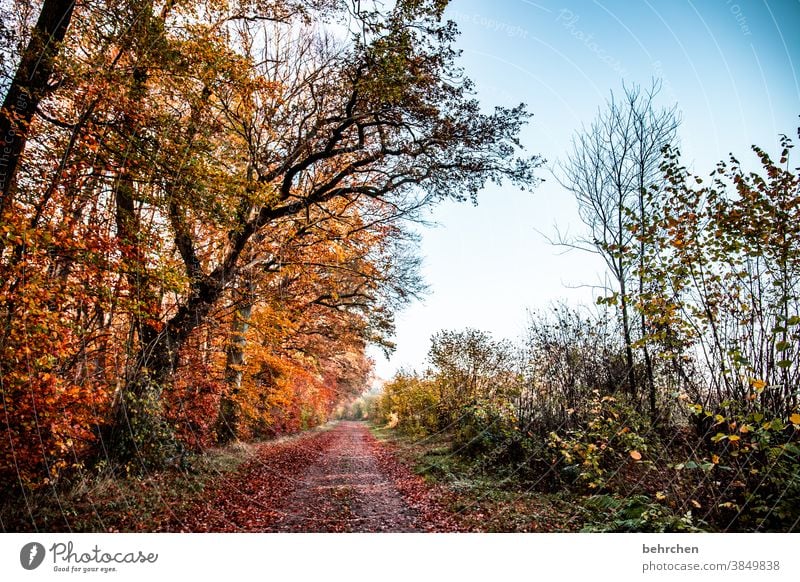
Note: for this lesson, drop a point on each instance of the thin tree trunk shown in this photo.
(651, 384)
(626, 334)
(648, 364)
(228, 418)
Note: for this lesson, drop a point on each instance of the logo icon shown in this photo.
(31, 555)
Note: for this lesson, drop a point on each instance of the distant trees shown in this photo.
(411, 401)
(471, 371)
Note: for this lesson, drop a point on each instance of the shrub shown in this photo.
(754, 457)
(413, 400)
(603, 442)
(488, 427)
(637, 513)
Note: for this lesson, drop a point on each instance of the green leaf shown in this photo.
(778, 425)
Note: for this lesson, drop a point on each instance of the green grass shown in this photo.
(482, 498)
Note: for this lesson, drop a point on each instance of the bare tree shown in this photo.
(612, 165)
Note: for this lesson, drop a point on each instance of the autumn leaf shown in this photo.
(636, 455)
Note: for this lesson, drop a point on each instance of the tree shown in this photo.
(411, 402)
(212, 195)
(612, 166)
(339, 279)
(726, 260)
(471, 369)
(379, 120)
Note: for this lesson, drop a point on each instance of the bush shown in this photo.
(637, 513)
(568, 354)
(411, 403)
(754, 457)
(488, 428)
(604, 441)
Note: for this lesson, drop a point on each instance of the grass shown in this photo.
(498, 497)
(482, 498)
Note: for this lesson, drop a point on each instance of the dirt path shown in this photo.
(346, 490)
(339, 480)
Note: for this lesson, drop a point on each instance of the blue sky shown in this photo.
(730, 66)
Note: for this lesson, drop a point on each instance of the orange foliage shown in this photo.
(56, 356)
(191, 403)
(200, 218)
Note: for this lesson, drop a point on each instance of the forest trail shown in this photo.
(346, 490)
(338, 480)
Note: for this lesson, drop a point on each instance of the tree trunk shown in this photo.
(228, 418)
(29, 87)
(648, 363)
(626, 335)
(139, 438)
(651, 385)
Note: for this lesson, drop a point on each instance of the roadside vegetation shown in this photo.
(671, 405)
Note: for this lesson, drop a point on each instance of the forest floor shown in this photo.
(338, 478)
(347, 480)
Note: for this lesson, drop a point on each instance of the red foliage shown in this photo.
(54, 363)
(192, 402)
